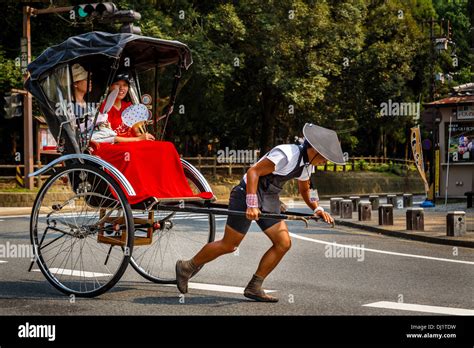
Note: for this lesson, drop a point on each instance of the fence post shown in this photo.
(364, 211)
(346, 209)
(199, 162)
(456, 223)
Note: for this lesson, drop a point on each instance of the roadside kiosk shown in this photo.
(453, 120)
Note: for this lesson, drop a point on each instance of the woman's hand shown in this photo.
(145, 136)
(326, 217)
(252, 213)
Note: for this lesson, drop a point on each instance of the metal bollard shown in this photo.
(365, 211)
(392, 199)
(386, 214)
(355, 202)
(456, 223)
(346, 209)
(335, 204)
(407, 200)
(415, 219)
(375, 201)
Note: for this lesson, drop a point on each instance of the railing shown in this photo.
(217, 164)
(360, 163)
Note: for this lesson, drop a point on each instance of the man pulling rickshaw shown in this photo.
(121, 197)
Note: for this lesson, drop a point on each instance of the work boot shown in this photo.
(184, 271)
(195, 271)
(255, 292)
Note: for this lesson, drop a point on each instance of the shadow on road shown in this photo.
(28, 289)
(190, 300)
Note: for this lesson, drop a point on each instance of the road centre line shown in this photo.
(420, 308)
(379, 251)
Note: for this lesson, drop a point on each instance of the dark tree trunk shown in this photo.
(268, 120)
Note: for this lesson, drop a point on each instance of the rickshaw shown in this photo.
(83, 230)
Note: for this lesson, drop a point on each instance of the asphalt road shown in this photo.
(362, 274)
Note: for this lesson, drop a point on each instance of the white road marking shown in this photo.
(217, 288)
(74, 273)
(3, 261)
(420, 308)
(1, 220)
(178, 217)
(379, 251)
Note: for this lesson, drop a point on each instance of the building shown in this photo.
(452, 118)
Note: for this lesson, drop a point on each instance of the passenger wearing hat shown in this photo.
(259, 191)
(121, 82)
(79, 79)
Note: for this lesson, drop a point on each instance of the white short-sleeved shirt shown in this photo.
(285, 158)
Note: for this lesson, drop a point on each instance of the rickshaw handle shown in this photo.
(218, 211)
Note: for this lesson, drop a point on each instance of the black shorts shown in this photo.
(241, 224)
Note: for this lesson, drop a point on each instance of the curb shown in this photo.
(406, 235)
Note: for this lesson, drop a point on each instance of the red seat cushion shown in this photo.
(153, 168)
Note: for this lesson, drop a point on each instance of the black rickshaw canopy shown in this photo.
(101, 54)
(145, 52)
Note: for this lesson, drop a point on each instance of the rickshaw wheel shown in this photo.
(175, 240)
(82, 230)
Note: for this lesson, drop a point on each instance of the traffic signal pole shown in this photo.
(28, 107)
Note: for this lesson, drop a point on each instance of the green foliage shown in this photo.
(10, 75)
(263, 69)
(361, 165)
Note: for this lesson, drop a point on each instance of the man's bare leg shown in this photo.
(281, 240)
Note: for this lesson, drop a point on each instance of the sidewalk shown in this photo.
(435, 227)
(434, 221)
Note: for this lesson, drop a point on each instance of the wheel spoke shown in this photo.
(74, 261)
(157, 261)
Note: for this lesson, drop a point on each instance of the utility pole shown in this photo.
(28, 98)
(471, 11)
(437, 44)
(432, 62)
(28, 101)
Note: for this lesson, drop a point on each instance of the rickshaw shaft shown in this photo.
(217, 209)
